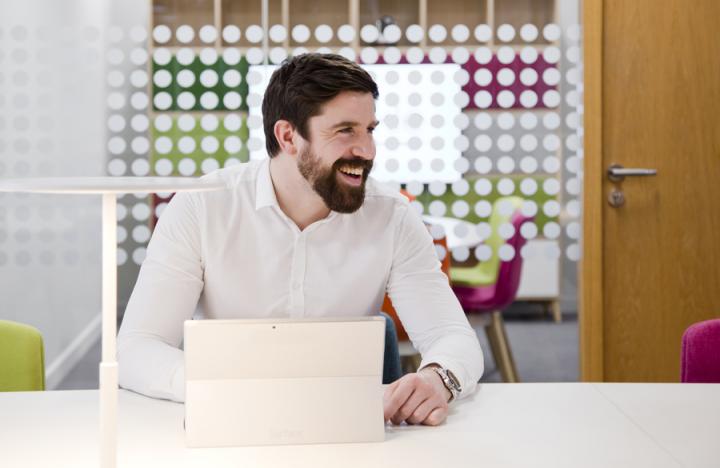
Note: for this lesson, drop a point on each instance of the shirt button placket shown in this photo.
(298, 278)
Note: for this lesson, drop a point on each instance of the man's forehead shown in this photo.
(348, 107)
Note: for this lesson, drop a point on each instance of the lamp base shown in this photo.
(108, 414)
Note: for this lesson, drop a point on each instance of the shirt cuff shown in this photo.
(468, 380)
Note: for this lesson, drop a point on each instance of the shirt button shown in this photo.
(297, 285)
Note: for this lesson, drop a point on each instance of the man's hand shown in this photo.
(419, 398)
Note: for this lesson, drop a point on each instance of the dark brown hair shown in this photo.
(300, 87)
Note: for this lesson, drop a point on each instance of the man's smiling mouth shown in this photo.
(351, 170)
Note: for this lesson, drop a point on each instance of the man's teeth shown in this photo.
(356, 171)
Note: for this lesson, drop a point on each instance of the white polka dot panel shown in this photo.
(469, 114)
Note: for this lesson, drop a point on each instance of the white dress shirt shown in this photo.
(233, 253)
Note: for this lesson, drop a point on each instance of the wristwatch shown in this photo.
(450, 381)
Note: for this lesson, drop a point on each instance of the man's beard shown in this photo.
(338, 196)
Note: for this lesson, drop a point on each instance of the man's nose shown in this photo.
(364, 147)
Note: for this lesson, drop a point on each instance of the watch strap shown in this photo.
(450, 382)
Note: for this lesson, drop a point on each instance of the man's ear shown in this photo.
(285, 135)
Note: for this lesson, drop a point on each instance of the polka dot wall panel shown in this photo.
(52, 89)
(463, 127)
(471, 115)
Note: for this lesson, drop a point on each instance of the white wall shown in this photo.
(52, 123)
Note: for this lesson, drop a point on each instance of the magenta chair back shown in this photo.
(491, 299)
(509, 275)
(501, 294)
(700, 362)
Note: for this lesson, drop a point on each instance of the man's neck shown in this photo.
(294, 194)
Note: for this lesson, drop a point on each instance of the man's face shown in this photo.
(337, 159)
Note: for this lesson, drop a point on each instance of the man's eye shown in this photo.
(346, 130)
(371, 130)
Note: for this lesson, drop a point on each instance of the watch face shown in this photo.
(453, 379)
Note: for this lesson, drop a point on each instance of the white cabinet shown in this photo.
(540, 277)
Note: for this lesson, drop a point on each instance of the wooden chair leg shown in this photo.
(494, 345)
(501, 348)
(556, 311)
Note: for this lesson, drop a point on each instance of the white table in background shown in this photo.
(502, 425)
(540, 277)
(109, 188)
(458, 232)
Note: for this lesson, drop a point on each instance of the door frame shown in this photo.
(590, 284)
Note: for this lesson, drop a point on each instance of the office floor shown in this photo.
(544, 351)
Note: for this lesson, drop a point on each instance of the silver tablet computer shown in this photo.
(283, 381)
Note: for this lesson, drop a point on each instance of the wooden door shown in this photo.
(652, 266)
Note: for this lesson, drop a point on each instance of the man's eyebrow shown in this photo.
(350, 123)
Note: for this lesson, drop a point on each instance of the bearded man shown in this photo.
(303, 233)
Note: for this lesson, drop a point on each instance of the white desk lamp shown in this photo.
(109, 188)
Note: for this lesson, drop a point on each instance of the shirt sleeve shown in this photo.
(166, 294)
(427, 306)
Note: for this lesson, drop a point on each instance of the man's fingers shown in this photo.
(408, 408)
(414, 399)
(436, 416)
(395, 398)
(423, 411)
(392, 385)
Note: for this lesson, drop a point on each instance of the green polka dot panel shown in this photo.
(187, 81)
(195, 144)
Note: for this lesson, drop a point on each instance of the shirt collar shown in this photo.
(264, 190)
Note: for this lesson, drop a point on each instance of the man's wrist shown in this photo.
(436, 380)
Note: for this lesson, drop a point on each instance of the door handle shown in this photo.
(617, 173)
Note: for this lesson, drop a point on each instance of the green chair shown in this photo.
(22, 360)
(485, 273)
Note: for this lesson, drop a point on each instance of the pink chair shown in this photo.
(700, 362)
(485, 303)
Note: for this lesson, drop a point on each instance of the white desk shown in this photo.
(109, 188)
(519, 425)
